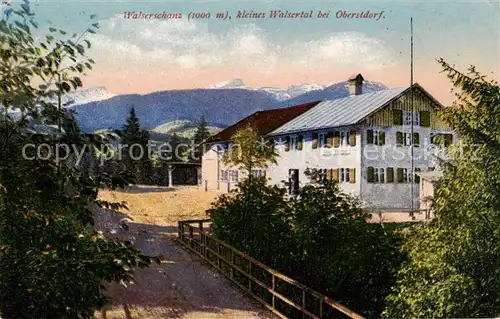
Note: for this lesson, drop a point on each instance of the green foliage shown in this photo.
(252, 218)
(319, 237)
(250, 151)
(453, 262)
(52, 261)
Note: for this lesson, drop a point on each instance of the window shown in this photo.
(344, 138)
(407, 175)
(322, 140)
(407, 118)
(259, 172)
(229, 175)
(379, 175)
(344, 175)
(405, 139)
(375, 137)
(293, 143)
(442, 139)
(323, 175)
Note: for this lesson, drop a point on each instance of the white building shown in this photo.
(366, 142)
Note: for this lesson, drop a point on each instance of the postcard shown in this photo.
(272, 156)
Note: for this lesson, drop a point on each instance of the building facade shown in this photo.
(372, 144)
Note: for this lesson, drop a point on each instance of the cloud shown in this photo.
(183, 44)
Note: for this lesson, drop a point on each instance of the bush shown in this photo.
(319, 237)
(254, 220)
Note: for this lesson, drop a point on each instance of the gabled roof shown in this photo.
(263, 122)
(346, 111)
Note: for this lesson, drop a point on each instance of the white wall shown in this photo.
(395, 195)
(326, 158)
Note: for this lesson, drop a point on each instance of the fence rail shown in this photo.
(282, 295)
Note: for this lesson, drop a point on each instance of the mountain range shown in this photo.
(221, 104)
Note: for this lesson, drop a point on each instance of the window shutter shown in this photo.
(352, 138)
(399, 138)
(425, 118)
(336, 139)
(369, 137)
(335, 174)
(352, 175)
(435, 139)
(287, 143)
(370, 175)
(416, 139)
(417, 177)
(399, 173)
(329, 139)
(448, 140)
(381, 138)
(300, 140)
(397, 117)
(390, 175)
(328, 174)
(315, 141)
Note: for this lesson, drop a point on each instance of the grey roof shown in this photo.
(340, 112)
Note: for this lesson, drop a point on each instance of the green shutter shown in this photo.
(416, 139)
(370, 174)
(369, 137)
(381, 137)
(287, 143)
(399, 173)
(390, 175)
(397, 117)
(352, 138)
(425, 118)
(315, 141)
(399, 138)
(336, 139)
(300, 140)
(448, 140)
(417, 177)
(335, 174)
(329, 139)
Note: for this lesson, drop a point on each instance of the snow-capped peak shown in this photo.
(280, 94)
(233, 84)
(88, 95)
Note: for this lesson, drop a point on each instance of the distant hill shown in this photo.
(182, 128)
(166, 112)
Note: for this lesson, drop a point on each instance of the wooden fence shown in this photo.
(284, 296)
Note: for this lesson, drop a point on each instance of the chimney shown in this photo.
(356, 84)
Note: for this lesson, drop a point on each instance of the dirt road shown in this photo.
(181, 287)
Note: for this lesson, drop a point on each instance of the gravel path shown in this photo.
(181, 287)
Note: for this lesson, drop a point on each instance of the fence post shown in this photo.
(273, 290)
(232, 264)
(250, 273)
(320, 308)
(181, 231)
(218, 255)
(206, 185)
(303, 303)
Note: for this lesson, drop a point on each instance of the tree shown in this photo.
(200, 135)
(338, 252)
(453, 262)
(136, 155)
(321, 238)
(250, 151)
(52, 261)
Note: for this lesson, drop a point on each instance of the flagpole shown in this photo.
(412, 117)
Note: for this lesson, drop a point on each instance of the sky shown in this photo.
(147, 55)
